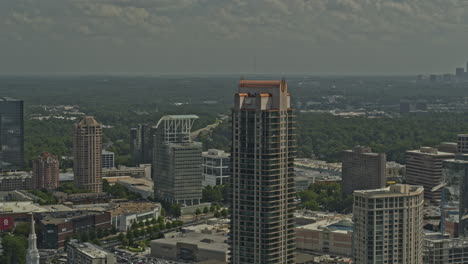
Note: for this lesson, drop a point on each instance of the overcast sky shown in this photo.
(224, 36)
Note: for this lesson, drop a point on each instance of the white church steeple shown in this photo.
(32, 255)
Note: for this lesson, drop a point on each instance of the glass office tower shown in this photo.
(11, 134)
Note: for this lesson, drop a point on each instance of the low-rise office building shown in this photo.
(16, 181)
(57, 226)
(142, 171)
(87, 253)
(125, 214)
(331, 236)
(192, 247)
(141, 186)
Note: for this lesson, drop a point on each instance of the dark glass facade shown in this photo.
(11, 134)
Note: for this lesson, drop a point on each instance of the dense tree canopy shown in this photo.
(325, 197)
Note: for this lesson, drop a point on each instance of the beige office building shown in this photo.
(424, 167)
(87, 150)
(388, 225)
(363, 170)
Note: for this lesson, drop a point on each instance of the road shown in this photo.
(208, 128)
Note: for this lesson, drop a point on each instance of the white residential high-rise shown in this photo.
(388, 225)
(216, 167)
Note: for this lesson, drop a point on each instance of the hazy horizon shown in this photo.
(186, 37)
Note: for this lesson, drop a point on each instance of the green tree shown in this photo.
(107, 231)
(121, 236)
(113, 230)
(22, 229)
(105, 185)
(92, 234)
(14, 249)
(130, 235)
(160, 220)
(217, 214)
(84, 237)
(163, 212)
(99, 233)
(96, 242)
(198, 212)
(205, 210)
(224, 212)
(125, 242)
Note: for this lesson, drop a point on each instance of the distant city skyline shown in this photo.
(264, 36)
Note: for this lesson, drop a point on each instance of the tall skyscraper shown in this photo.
(32, 254)
(177, 161)
(11, 134)
(46, 170)
(388, 225)
(87, 150)
(363, 170)
(262, 182)
(455, 174)
(424, 167)
(141, 144)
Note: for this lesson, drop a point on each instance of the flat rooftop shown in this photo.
(203, 241)
(9, 99)
(21, 207)
(430, 152)
(133, 207)
(91, 250)
(338, 224)
(139, 183)
(396, 190)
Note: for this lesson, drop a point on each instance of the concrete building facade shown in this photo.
(332, 237)
(87, 253)
(87, 154)
(388, 225)
(216, 167)
(192, 247)
(125, 214)
(443, 250)
(177, 161)
(262, 182)
(363, 170)
(424, 167)
(15, 181)
(46, 170)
